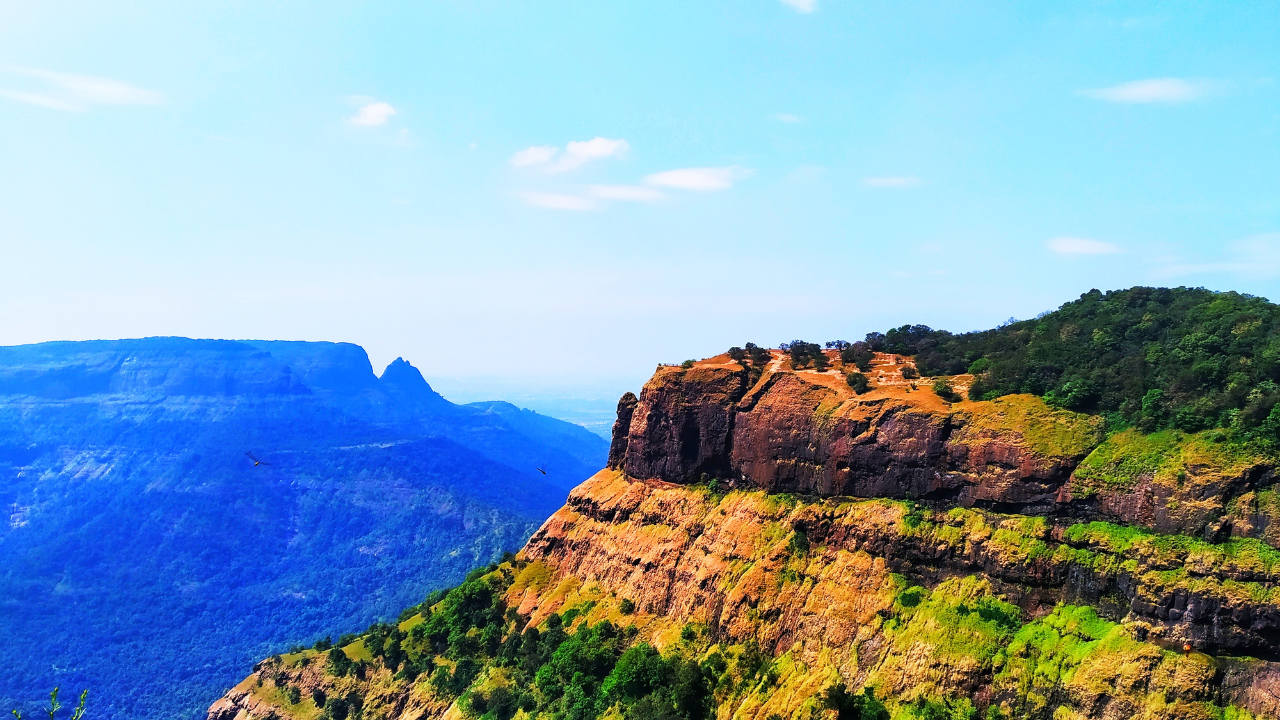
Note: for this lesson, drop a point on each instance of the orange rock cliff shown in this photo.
(1002, 558)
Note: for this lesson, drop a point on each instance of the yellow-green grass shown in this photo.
(1047, 431)
(1167, 457)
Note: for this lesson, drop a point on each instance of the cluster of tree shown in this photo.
(857, 354)
(1153, 358)
(805, 354)
(554, 670)
(751, 352)
(755, 358)
(855, 706)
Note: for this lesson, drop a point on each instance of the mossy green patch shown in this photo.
(357, 651)
(1167, 457)
(535, 575)
(1047, 431)
(943, 638)
(1073, 652)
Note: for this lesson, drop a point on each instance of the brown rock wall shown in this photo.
(802, 432)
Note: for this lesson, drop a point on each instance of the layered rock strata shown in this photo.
(807, 432)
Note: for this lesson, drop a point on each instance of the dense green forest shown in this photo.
(1153, 358)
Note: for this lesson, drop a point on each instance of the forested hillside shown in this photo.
(146, 556)
(1186, 358)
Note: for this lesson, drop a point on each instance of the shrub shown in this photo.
(340, 664)
(325, 644)
(942, 387)
(858, 382)
(799, 543)
(626, 607)
(909, 372)
(858, 354)
(756, 354)
(805, 354)
(293, 694)
(848, 706)
(686, 364)
(55, 705)
(737, 353)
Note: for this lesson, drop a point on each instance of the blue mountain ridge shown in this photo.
(145, 557)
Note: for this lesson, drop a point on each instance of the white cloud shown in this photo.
(556, 201)
(374, 113)
(712, 178)
(41, 100)
(1080, 246)
(787, 118)
(576, 154)
(535, 155)
(634, 193)
(804, 6)
(891, 182)
(64, 91)
(1155, 90)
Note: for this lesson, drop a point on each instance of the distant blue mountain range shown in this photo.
(145, 556)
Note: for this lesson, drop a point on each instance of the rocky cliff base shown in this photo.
(782, 599)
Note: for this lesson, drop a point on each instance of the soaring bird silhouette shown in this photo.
(544, 472)
(256, 461)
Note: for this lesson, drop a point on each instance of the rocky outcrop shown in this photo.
(622, 426)
(807, 432)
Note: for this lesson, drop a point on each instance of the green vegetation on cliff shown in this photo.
(1166, 457)
(1185, 358)
(470, 650)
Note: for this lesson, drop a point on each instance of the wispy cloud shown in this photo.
(1155, 90)
(535, 155)
(1255, 256)
(76, 93)
(895, 181)
(371, 114)
(556, 201)
(804, 6)
(576, 154)
(703, 179)
(633, 193)
(788, 118)
(1080, 246)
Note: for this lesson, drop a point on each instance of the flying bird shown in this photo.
(544, 472)
(256, 461)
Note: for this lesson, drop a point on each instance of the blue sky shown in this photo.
(561, 194)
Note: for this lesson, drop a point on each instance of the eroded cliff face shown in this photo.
(807, 432)
(1031, 618)
(998, 559)
(835, 603)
